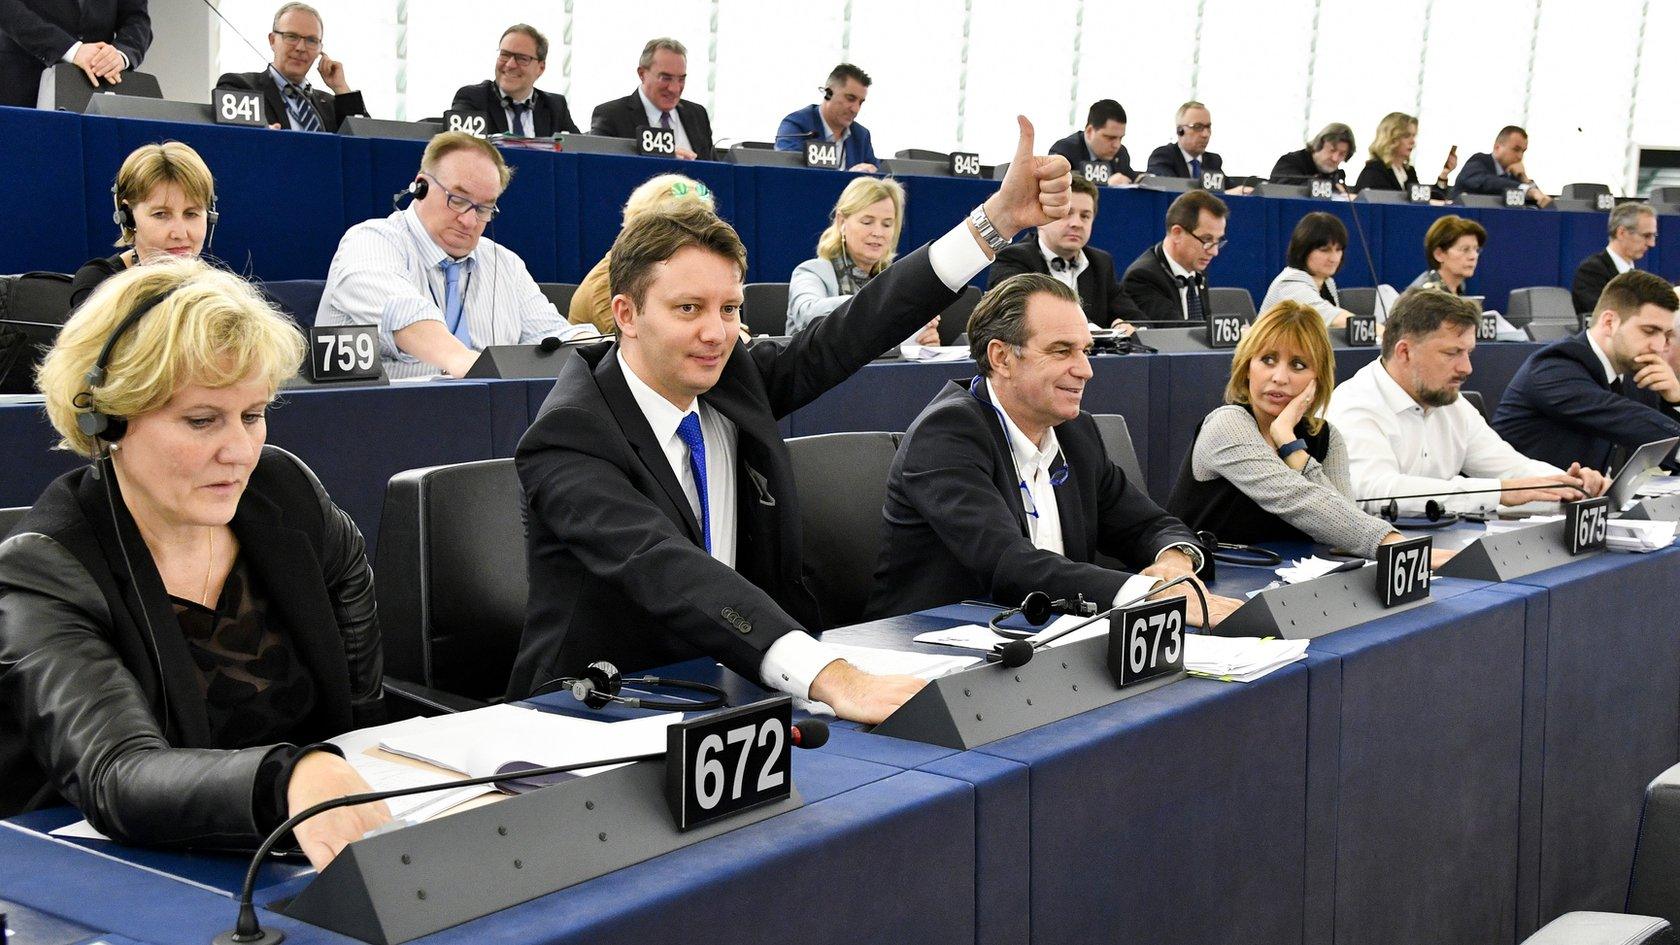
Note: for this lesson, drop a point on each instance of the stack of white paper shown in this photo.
(975, 637)
(480, 742)
(1627, 534)
(1239, 659)
(1501, 525)
(1305, 569)
(1660, 485)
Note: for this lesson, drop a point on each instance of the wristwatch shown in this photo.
(1293, 446)
(1190, 551)
(988, 232)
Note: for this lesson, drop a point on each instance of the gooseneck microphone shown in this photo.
(1436, 514)
(248, 931)
(1370, 264)
(1020, 652)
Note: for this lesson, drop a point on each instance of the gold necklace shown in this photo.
(209, 565)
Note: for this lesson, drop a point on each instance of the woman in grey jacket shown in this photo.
(861, 240)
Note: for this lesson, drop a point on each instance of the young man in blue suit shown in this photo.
(1597, 396)
(834, 119)
(1500, 170)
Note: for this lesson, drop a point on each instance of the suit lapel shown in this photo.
(992, 418)
(275, 102)
(1071, 511)
(609, 377)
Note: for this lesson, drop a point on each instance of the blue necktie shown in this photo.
(452, 302)
(689, 432)
(302, 109)
(1196, 168)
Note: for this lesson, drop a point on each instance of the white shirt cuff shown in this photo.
(792, 662)
(957, 257)
(1136, 588)
(76, 47)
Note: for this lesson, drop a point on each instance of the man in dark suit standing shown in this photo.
(662, 522)
(658, 102)
(1100, 143)
(1061, 251)
(1633, 232)
(511, 103)
(1188, 156)
(289, 100)
(1321, 159)
(1169, 281)
(1501, 170)
(1002, 485)
(1597, 396)
(101, 37)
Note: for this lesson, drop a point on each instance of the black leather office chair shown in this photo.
(1653, 899)
(1117, 442)
(1588, 192)
(451, 576)
(560, 293)
(1475, 399)
(922, 154)
(1231, 300)
(42, 297)
(841, 479)
(954, 320)
(764, 307)
(299, 298)
(1360, 300)
(9, 519)
(1550, 305)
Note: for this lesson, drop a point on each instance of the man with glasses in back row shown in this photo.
(289, 101)
(438, 290)
(1169, 281)
(511, 103)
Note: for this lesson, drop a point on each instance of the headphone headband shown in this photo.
(92, 421)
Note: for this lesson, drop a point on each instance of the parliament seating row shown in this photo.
(286, 198)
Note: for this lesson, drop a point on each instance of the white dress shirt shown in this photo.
(1068, 275)
(386, 273)
(1397, 447)
(524, 126)
(653, 114)
(1603, 359)
(1183, 273)
(1622, 265)
(796, 658)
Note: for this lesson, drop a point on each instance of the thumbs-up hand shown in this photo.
(1035, 189)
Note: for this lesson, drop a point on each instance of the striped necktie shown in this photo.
(302, 109)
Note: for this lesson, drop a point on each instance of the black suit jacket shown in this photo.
(1149, 283)
(621, 117)
(1559, 409)
(1168, 161)
(549, 114)
(1591, 276)
(1297, 167)
(93, 714)
(1481, 175)
(1077, 152)
(332, 109)
(954, 526)
(617, 566)
(34, 34)
(1099, 291)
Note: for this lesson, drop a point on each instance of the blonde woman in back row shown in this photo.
(860, 242)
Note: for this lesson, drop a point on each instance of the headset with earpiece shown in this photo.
(601, 684)
(106, 429)
(123, 216)
(417, 190)
(827, 92)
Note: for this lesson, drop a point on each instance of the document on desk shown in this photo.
(933, 352)
(1660, 485)
(1626, 534)
(1239, 659)
(480, 742)
(972, 636)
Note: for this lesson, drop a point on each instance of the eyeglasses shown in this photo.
(503, 55)
(666, 78)
(298, 39)
(459, 204)
(1210, 243)
(1199, 127)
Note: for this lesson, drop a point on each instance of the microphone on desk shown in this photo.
(1020, 652)
(248, 930)
(1435, 513)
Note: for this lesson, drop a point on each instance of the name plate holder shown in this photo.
(1507, 556)
(1313, 608)
(1360, 331)
(992, 701)
(398, 886)
(1659, 508)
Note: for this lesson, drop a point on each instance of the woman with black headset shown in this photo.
(1266, 466)
(184, 620)
(164, 205)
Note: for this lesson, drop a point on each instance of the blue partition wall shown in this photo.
(287, 197)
